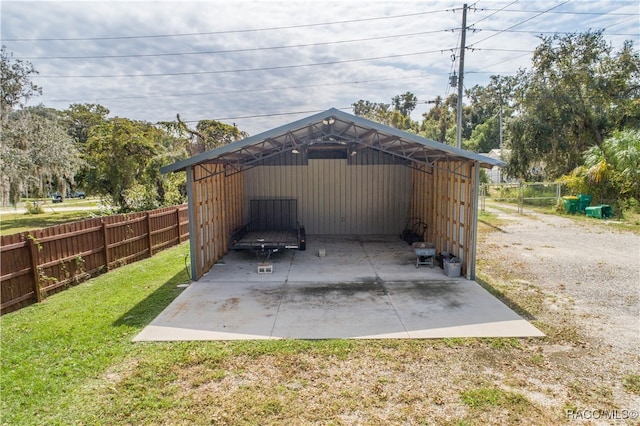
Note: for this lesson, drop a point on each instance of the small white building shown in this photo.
(496, 174)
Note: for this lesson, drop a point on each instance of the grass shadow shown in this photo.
(497, 228)
(148, 309)
(513, 305)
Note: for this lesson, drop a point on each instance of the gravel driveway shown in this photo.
(583, 275)
(592, 265)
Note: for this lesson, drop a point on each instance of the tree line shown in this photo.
(45, 150)
(575, 114)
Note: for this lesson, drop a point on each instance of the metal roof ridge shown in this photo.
(317, 118)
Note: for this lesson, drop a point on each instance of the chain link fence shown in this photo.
(538, 194)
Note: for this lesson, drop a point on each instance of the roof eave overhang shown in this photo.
(333, 126)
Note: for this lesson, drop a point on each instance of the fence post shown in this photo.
(106, 245)
(178, 224)
(33, 253)
(520, 198)
(149, 234)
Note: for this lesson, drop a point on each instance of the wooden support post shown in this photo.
(105, 240)
(33, 253)
(149, 242)
(178, 225)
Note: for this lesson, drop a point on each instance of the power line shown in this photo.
(480, 49)
(563, 12)
(287, 27)
(522, 22)
(253, 49)
(498, 63)
(267, 115)
(240, 91)
(497, 11)
(545, 32)
(279, 67)
(621, 23)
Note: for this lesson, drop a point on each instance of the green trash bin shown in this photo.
(584, 201)
(570, 204)
(602, 211)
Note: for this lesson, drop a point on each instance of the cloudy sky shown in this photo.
(260, 64)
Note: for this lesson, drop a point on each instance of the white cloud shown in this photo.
(225, 94)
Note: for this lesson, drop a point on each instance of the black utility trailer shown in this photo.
(273, 227)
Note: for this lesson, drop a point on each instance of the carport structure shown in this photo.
(349, 176)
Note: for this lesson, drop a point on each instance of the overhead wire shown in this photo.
(564, 12)
(489, 16)
(272, 68)
(287, 27)
(262, 89)
(507, 30)
(521, 22)
(550, 10)
(252, 49)
(275, 114)
(497, 63)
(545, 32)
(454, 62)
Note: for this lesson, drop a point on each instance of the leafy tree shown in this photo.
(35, 150)
(16, 84)
(486, 104)
(577, 93)
(398, 117)
(79, 119)
(37, 153)
(181, 141)
(208, 134)
(213, 134)
(439, 120)
(119, 150)
(485, 136)
(125, 157)
(375, 111)
(405, 103)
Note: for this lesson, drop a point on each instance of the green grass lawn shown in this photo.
(70, 361)
(52, 351)
(59, 357)
(12, 223)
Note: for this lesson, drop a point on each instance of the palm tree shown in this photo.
(616, 163)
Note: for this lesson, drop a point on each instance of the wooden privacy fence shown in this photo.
(38, 263)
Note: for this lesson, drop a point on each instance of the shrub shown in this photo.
(33, 208)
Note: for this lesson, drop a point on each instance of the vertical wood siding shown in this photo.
(218, 210)
(444, 199)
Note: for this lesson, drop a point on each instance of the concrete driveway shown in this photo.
(365, 287)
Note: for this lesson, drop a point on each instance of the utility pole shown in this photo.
(461, 76)
(500, 126)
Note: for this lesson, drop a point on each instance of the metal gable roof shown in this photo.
(330, 130)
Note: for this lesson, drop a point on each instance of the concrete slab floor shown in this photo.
(365, 287)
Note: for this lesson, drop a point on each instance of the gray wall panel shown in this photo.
(337, 198)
